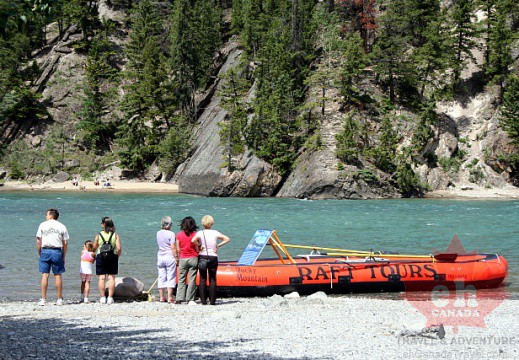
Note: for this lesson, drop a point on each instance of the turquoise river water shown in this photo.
(406, 226)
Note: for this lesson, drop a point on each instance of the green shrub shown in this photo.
(368, 176)
(16, 172)
(476, 174)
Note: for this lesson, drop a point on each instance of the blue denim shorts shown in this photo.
(51, 258)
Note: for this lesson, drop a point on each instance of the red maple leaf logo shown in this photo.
(463, 306)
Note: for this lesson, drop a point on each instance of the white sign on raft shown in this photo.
(255, 246)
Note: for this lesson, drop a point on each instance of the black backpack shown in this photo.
(106, 248)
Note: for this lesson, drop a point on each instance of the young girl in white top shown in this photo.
(207, 240)
(86, 269)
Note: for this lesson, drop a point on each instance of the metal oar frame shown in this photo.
(281, 249)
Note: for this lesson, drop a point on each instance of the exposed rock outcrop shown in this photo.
(204, 173)
(477, 124)
(317, 174)
(60, 177)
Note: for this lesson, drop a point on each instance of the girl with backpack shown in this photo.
(107, 246)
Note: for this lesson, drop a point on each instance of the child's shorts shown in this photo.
(86, 277)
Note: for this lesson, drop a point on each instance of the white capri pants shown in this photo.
(167, 268)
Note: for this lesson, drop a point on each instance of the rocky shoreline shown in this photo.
(313, 327)
(134, 186)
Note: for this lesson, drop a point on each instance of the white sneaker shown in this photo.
(102, 300)
(110, 300)
(191, 303)
(85, 301)
(59, 302)
(41, 302)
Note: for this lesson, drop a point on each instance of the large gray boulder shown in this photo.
(127, 288)
(60, 177)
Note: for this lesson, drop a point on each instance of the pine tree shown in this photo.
(510, 122)
(232, 130)
(348, 142)
(82, 12)
(195, 37)
(392, 63)
(417, 16)
(100, 77)
(423, 133)
(500, 37)
(323, 78)
(174, 148)
(273, 132)
(360, 16)
(351, 62)
(464, 32)
(255, 21)
(51, 10)
(406, 179)
(147, 85)
(385, 152)
(510, 109)
(432, 60)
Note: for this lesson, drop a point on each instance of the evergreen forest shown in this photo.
(382, 66)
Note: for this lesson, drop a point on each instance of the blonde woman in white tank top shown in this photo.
(209, 241)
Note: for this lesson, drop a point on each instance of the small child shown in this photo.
(86, 269)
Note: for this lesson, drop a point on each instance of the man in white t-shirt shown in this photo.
(51, 242)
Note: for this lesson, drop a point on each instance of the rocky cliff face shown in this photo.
(203, 172)
(317, 175)
(468, 131)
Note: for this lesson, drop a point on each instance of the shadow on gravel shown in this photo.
(22, 338)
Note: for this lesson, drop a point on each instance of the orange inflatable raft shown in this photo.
(339, 271)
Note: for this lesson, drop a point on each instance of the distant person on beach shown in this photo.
(107, 263)
(188, 265)
(96, 182)
(86, 269)
(52, 242)
(167, 259)
(75, 181)
(207, 240)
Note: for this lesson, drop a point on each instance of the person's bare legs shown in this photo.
(86, 289)
(170, 295)
(59, 286)
(102, 285)
(44, 285)
(83, 287)
(161, 295)
(111, 285)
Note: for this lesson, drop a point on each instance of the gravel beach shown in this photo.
(313, 327)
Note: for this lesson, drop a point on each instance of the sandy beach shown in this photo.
(475, 193)
(313, 327)
(135, 186)
(128, 186)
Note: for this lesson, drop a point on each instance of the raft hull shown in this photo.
(339, 275)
